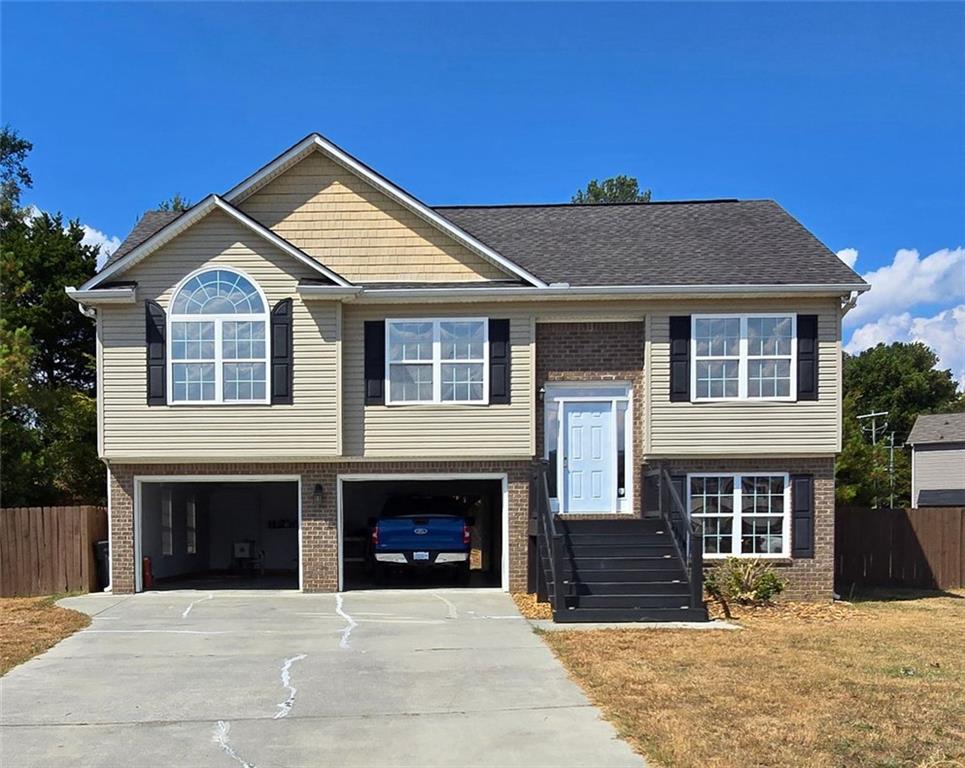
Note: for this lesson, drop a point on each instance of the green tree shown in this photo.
(41, 256)
(14, 175)
(617, 189)
(48, 407)
(901, 379)
(176, 203)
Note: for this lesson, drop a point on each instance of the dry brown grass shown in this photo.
(880, 683)
(530, 608)
(31, 625)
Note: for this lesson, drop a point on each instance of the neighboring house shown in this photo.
(938, 460)
(277, 361)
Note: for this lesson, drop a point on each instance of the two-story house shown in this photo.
(277, 361)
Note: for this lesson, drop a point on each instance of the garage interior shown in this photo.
(220, 535)
(363, 500)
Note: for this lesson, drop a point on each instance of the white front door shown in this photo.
(589, 467)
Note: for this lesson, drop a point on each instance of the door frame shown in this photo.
(555, 392)
(139, 480)
(502, 477)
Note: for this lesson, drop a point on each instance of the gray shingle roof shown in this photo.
(695, 243)
(938, 428)
(723, 242)
(953, 497)
(146, 226)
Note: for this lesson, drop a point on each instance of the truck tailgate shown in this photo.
(440, 533)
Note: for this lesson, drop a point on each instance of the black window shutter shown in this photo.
(802, 516)
(807, 357)
(375, 362)
(680, 359)
(282, 360)
(156, 348)
(499, 362)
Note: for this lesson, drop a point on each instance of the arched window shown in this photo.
(218, 340)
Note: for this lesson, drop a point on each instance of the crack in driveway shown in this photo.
(286, 680)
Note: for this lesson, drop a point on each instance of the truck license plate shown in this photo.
(420, 555)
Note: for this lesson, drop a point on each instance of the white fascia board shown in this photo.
(120, 295)
(328, 291)
(192, 216)
(316, 141)
(604, 292)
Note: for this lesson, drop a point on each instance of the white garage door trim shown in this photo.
(139, 480)
(501, 476)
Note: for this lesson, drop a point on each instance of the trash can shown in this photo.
(102, 562)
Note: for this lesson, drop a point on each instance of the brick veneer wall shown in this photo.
(319, 520)
(808, 578)
(593, 352)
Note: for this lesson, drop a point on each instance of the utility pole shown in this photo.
(891, 469)
(874, 430)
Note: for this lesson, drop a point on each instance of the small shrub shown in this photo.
(746, 582)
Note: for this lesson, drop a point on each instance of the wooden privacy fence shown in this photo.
(922, 548)
(47, 550)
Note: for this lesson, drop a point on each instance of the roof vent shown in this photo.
(559, 285)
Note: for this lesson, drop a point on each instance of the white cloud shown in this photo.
(849, 256)
(911, 281)
(944, 332)
(887, 313)
(107, 243)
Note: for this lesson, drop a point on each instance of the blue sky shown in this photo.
(852, 116)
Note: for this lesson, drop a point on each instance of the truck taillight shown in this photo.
(375, 534)
(466, 534)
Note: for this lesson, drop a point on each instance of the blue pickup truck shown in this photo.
(420, 532)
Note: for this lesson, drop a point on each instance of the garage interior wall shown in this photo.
(263, 513)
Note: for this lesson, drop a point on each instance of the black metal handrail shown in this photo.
(688, 535)
(553, 539)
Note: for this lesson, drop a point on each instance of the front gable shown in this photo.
(359, 231)
(174, 230)
(217, 240)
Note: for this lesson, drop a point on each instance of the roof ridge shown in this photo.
(699, 201)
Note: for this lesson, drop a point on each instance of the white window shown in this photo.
(191, 526)
(746, 515)
(437, 361)
(167, 523)
(217, 331)
(744, 357)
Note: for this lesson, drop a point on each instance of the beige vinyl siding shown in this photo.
(744, 427)
(357, 231)
(133, 431)
(451, 431)
(939, 468)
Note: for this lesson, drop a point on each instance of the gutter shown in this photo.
(563, 291)
(329, 292)
(121, 295)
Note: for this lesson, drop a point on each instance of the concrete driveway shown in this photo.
(403, 678)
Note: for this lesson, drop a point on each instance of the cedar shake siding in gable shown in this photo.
(453, 431)
(744, 427)
(357, 231)
(133, 430)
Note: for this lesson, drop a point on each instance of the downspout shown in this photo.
(91, 312)
(110, 533)
(848, 304)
